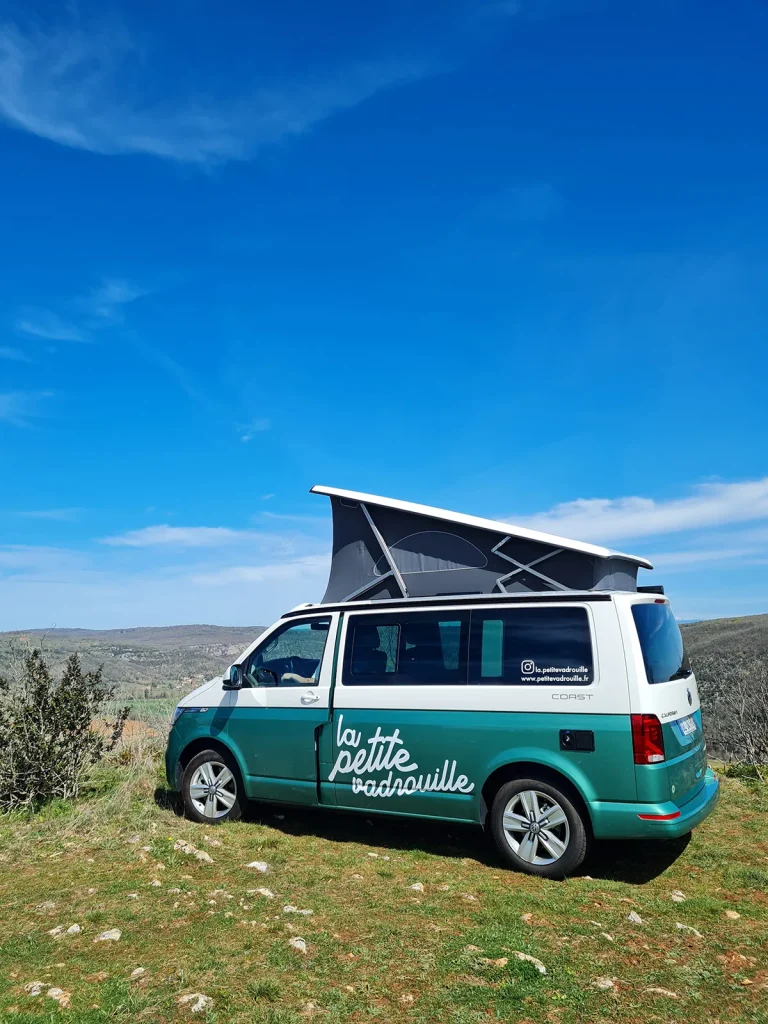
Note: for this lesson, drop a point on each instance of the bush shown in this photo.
(734, 697)
(47, 736)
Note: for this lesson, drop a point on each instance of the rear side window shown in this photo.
(661, 643)
(412, 649)
(531, 647)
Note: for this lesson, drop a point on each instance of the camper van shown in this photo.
(463, 670)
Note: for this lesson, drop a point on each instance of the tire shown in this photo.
(206, 797)
(552, 852)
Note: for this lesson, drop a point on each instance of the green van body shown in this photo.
(305, 744)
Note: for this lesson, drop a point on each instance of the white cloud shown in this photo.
(104, 303)
(695, 558)
(62, 515)
(42, 587)
(185, 536)
(300, 568)
(256, 426)
(23, 558)
(99, 308)
(14, 354)
(20, 408)
(42, 323)
(83, 89)
(612, 519)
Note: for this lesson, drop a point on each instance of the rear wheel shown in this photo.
(211, 788)
(538, 829)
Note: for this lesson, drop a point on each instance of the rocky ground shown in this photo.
(117, 909)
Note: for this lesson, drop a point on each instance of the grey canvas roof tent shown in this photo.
(385, 548)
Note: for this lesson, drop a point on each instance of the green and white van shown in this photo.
(549, 716)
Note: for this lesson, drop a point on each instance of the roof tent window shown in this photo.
(531, 647)
(408, 649)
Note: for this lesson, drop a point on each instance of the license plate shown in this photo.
(688, 726)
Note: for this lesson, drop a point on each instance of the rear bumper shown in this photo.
(622, 821)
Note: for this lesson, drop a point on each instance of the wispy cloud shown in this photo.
(42, 323)
(82, 87)
(299, 568)
(315, 520)
(21, 408)
(611, 519)
(196, 537)
(696, 558)
(257, 426)
(103, 305)
(99, 308)
(23, 558)
(61, 515)
(14, 354)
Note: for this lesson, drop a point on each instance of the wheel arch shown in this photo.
(196, 746)
(534, 769)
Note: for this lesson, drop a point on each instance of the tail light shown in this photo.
(647, 739)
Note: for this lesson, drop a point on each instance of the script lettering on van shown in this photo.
(530, 672)
(389, 754)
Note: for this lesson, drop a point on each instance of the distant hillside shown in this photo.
(171, 660)
(746, 636)
(151, 662)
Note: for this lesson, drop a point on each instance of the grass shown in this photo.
(377, 949)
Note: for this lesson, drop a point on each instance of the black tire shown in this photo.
(572, 834)
(232, 787)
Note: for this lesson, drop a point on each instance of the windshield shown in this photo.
(661, 643)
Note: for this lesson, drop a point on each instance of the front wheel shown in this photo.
(211, 788)
(538, 829)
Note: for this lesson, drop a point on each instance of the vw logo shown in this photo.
(690, 697)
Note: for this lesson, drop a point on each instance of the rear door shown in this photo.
(666, 687)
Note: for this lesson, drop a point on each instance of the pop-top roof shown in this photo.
(387, 548)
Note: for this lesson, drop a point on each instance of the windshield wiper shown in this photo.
(682, 673)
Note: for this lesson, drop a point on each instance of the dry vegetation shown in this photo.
(410, 921)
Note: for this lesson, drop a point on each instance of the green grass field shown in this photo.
(377, 949)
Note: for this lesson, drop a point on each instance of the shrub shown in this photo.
(47, 736)
(734, 697)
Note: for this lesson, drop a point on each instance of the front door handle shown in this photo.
(310, 698)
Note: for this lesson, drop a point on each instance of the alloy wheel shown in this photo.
(213, 789)
(536, 827)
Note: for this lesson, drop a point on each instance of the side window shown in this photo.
(531, 647)
(409, 649)
(290, 657)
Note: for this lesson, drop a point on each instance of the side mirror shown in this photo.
(235, 679)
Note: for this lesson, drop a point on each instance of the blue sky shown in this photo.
(504, 257)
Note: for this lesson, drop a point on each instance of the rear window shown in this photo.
(661, 643)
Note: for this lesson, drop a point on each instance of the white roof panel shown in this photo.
(479, 523)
